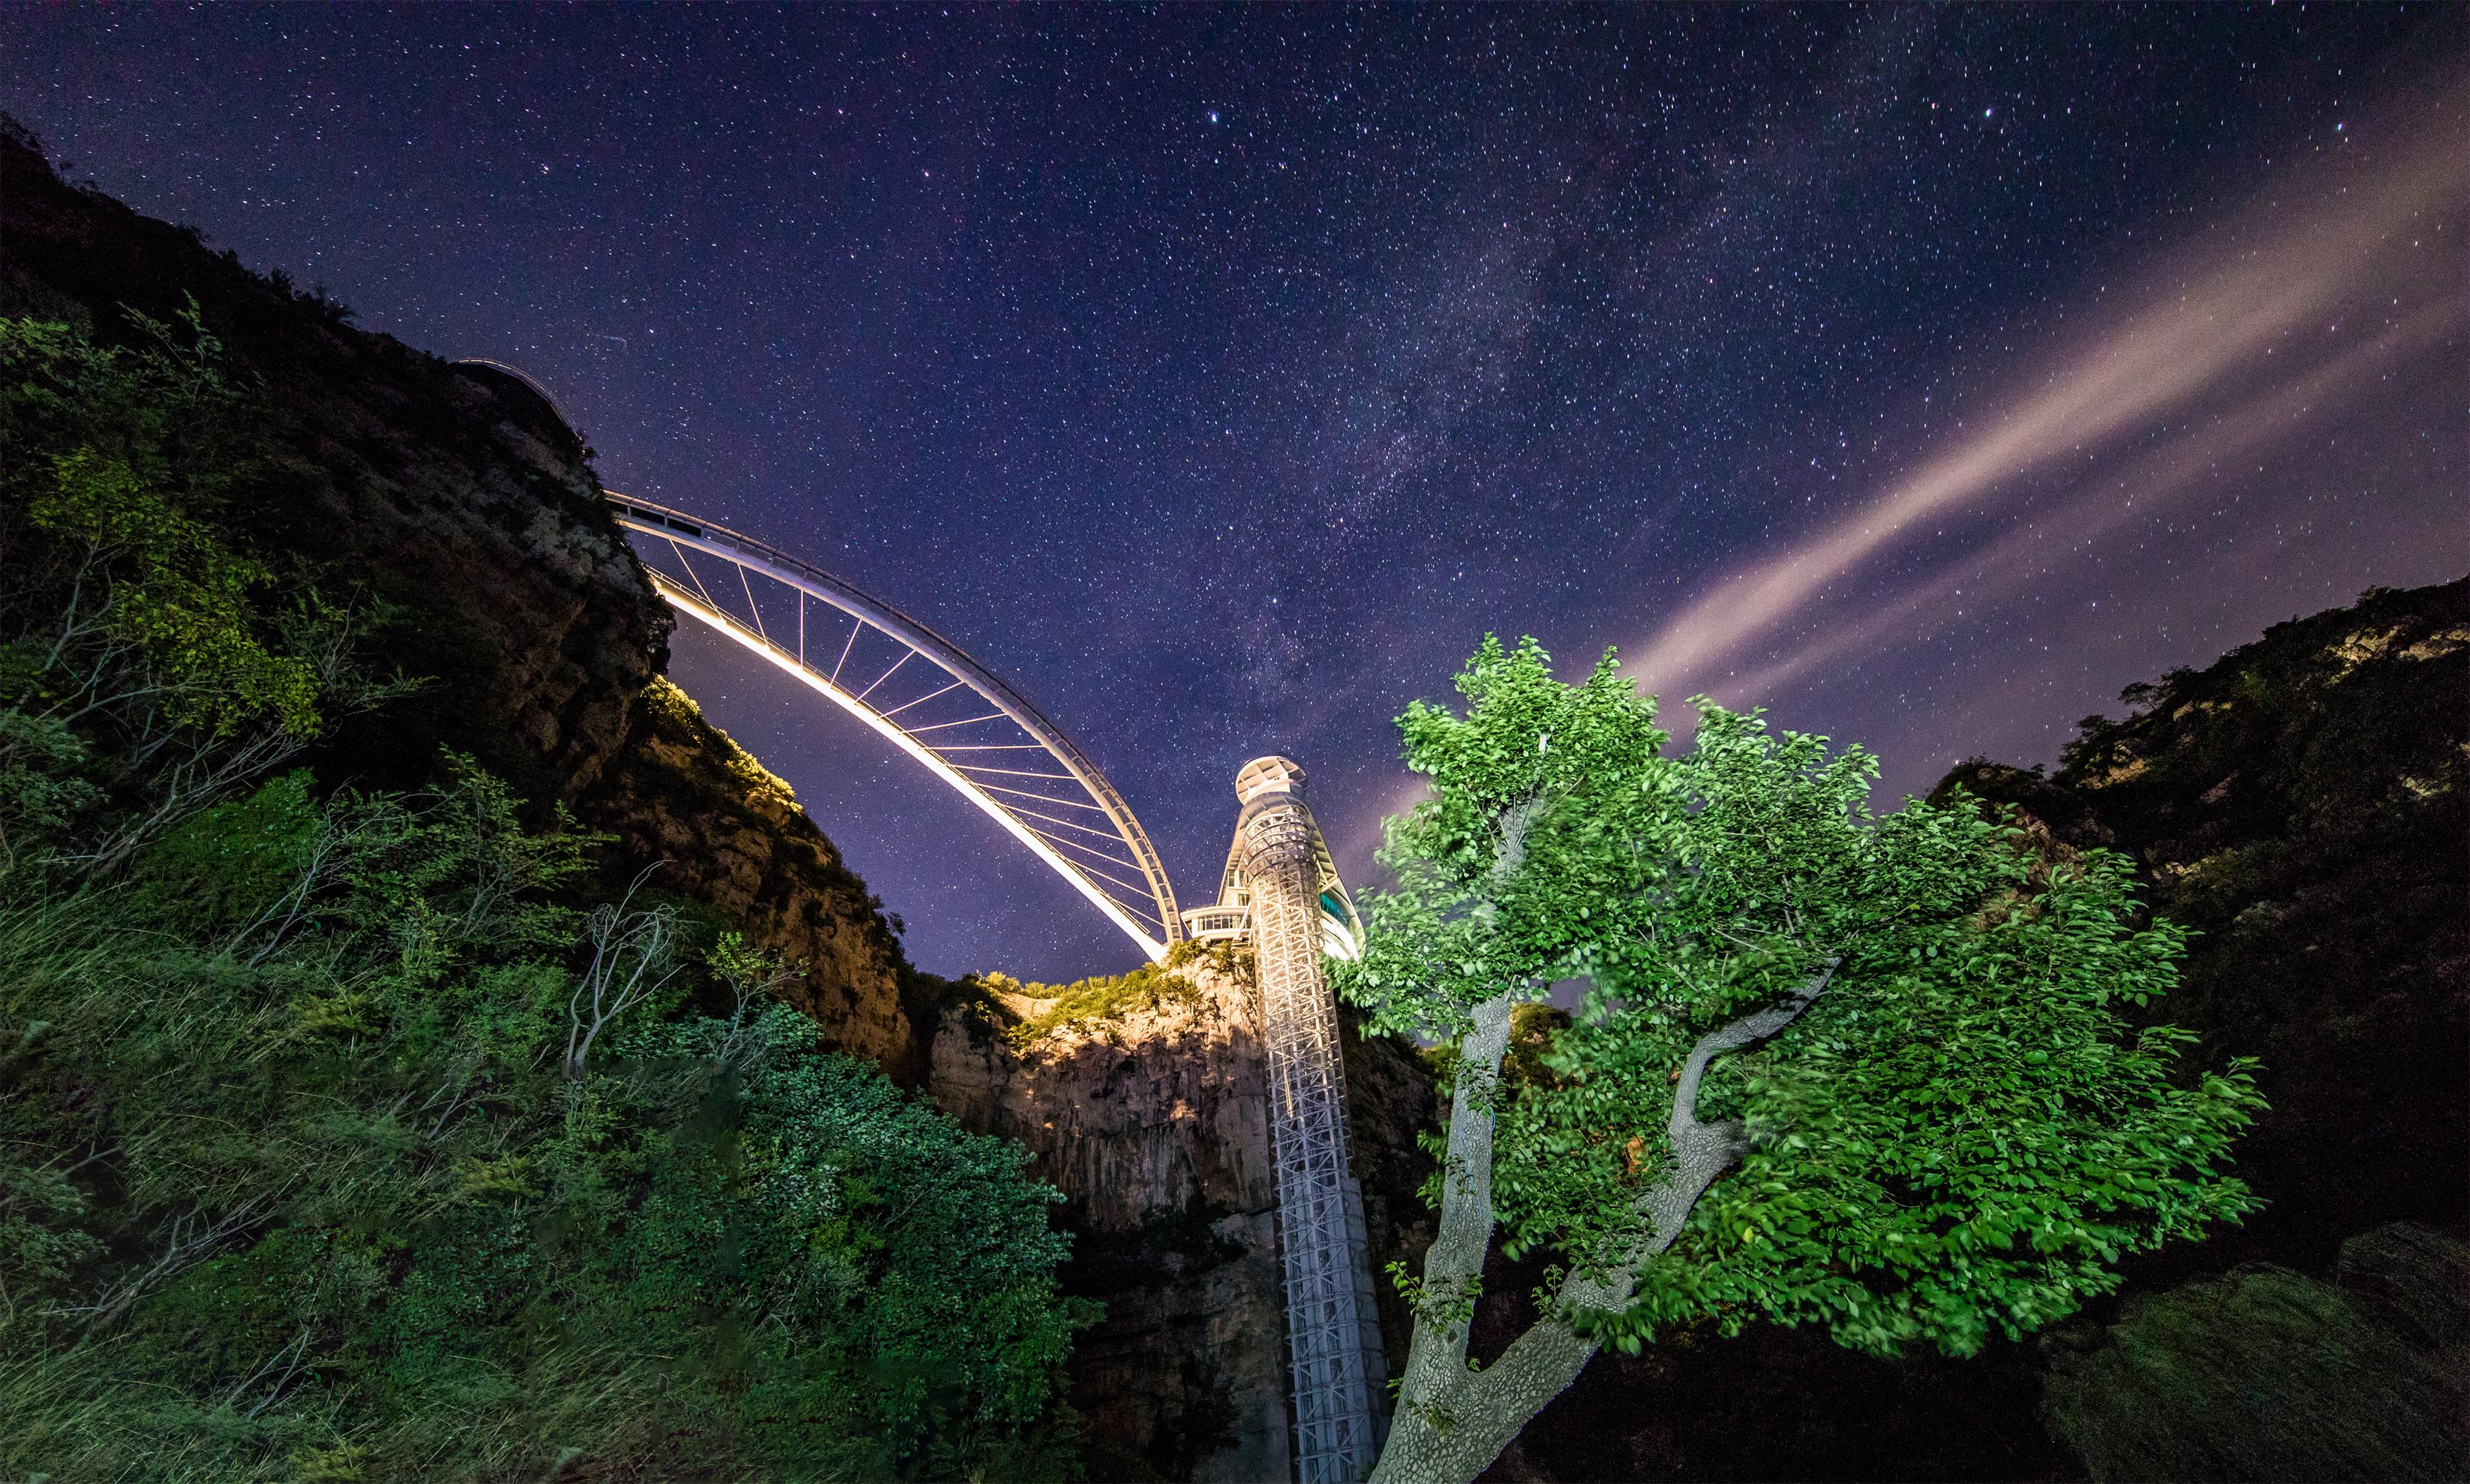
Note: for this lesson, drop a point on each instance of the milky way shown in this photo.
(1221, 377)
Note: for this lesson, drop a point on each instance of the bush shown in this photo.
(297, 1179)
(2268, 1373)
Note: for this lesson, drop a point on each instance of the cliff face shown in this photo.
(1154, 1125)
(466, 514)
(680, 792)
(2303, 804)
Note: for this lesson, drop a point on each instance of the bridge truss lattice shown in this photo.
(922, 694)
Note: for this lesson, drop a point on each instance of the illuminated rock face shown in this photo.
(462, 500)
(1153, 1124)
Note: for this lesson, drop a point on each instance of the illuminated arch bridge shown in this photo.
(929, 699)
(922, 693)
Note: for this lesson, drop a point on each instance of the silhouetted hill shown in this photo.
(2304, 805)
(460, 502)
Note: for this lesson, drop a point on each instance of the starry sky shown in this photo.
(1218, 377)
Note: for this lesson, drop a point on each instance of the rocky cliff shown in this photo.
(460, 507)
(2304, 805)
(1152, 1120)
(1153, 1124)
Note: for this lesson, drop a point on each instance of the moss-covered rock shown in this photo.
(2268, 1373)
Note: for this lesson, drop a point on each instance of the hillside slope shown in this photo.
(464, 505)
(2304, 805)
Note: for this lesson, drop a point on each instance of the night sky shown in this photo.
(1221, 377)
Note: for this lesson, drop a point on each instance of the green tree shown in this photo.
(136, 639)
(1869, 1073)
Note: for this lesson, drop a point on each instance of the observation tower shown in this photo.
(1281, 891)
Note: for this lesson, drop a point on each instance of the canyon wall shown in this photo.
(1154, 1123)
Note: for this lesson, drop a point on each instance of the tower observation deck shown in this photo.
(1281, 888)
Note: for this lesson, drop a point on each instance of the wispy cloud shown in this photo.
(2141, 490)
(2203, 331)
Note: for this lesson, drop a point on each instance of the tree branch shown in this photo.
(627, 947)
(1452, 1422)
(1702, 1151)
(1455, 1261)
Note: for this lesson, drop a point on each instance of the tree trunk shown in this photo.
(1452, 1422)
(1451, 1438)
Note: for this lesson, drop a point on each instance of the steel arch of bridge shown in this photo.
(950, 713)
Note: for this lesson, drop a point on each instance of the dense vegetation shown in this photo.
(341, 1135)
(1103, 999)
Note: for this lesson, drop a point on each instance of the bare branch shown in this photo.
(632, 959)
(186, 1242)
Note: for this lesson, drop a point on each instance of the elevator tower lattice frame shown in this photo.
(1298, 909)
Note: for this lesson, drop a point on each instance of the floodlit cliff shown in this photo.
(1149, 1111)
(1154, 1123)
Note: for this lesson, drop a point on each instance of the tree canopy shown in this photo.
(1868, 1072)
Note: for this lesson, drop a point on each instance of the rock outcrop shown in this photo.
(1154, 1125)
(729, 833)
(462, 510)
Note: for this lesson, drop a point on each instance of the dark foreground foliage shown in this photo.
(340, 1137)
(2268, 1373)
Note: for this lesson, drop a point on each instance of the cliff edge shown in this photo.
(465, 511)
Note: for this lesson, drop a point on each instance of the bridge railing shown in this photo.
(922, 693)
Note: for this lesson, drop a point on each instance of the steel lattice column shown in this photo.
(1332, 1330)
